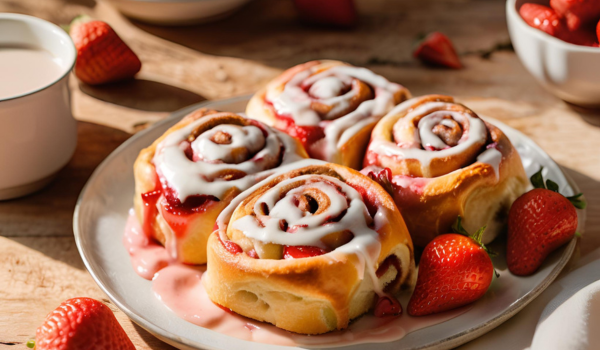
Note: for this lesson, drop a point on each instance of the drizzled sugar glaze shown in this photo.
(197, 176)
(336, 88)
(181, 289)
(475, 133)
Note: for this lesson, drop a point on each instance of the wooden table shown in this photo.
(39, 262)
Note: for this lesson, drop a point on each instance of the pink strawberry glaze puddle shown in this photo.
(180, 288)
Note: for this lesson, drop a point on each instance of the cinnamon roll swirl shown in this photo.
(309, 250)
(440, 160)
(188, 175)
(330, 106)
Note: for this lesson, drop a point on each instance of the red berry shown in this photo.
(386, 306)
(598, 31)
(102, 56)
(438, 50)
(454, 270)
(330, 12)
(577, 13)
(543, 18)
(82, 323)
(539, 222)
(297, 252)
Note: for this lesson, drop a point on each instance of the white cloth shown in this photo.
(566, 316)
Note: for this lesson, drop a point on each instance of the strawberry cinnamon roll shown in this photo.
(309, 250)
(330, 106)
(440, 160)
(187, 176)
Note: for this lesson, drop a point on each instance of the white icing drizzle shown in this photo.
(250, 137)
(325, 88)
(266, 228)
(492, 157)
(365, 244)
(189, 177)
(411, 149)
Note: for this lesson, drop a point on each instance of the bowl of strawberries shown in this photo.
(557, 41)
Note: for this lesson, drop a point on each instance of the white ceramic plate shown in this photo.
(102, 210)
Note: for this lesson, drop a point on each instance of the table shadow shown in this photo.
(588, 115)
(144, 95)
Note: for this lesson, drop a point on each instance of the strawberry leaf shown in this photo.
(552, 186)
(577, 201)
(477, 236)
(458, 228)
(537, 180)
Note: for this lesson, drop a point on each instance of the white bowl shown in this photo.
(571, 72)
(176, 12)
(38, 134)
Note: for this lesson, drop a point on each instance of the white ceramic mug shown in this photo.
(38, 134)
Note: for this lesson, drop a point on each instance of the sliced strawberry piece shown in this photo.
(340, 13)
(298, 252)
(578, 13)
(386, 306)
(82, 323)
(437, 49)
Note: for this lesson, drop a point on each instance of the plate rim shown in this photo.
(447, 343)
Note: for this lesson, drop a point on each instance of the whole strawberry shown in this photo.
(82, 324)
(102, 57)
(436, 49)
(454, 270)
(539, 222)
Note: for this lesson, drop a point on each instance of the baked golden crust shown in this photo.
(350, 144)
(311, 295)
(185, 232)
(431, 196)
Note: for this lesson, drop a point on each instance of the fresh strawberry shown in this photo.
(387, 305)
(297, 252)
(543, 18)
(82, 323)
(547, 20)
(578, 13)
(539, 222)
(454, 270)
(437, 49)
(341, 13)
(598, 31)
(102, 56)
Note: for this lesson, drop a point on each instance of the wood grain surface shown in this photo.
(39, 263)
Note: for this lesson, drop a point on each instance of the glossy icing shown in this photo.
(180, 288)
(328, 88)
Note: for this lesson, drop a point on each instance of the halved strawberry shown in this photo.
(454, 270)
(539, 222)
(437, 49)
(102, 57)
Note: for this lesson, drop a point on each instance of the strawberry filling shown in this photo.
(298, 252)
(232, 247)
(387, 306)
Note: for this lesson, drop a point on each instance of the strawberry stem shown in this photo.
(31, 344)
(477, 236)
(537, 180)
